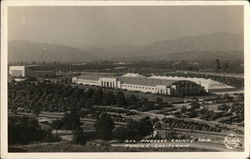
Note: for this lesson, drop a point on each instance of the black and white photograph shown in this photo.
(117, 78)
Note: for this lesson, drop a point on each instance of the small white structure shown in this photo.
(19, 79)
(17, 71)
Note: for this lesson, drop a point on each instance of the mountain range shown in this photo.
(203, 47)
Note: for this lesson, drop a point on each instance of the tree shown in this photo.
(183, 109)
(108, 98)
(97, 96)
(227, 96)
(204, 111)
(13, 108)
(157, 125)
(121, 133)
(159, 100)
(132, 99)
(71, 121)
(23, 130)
(37, 107)
(195, 104)
(78, 137)
(57, 124)
(155, 120)
(218, 64)
(145, 99)
(37, 111)
(104, 126)
(140, 129)
(193, 113)
(133, 130)
(227, 65)
(146, 127)
(88, 93)
(121, 100)
(88, 103)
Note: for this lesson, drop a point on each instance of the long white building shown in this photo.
(143, 84)
(209, 84)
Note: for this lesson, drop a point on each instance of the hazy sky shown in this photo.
(108, 26)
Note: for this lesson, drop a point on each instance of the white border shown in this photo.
(116, 155)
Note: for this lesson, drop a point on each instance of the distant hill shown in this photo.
(216, 42)
(22, 50)
(204, 47)
(221, 45)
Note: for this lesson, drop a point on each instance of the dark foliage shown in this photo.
(79, 137)
(104, 126)
(23, 130)
(71, 121)
(135, 130)
(182, 124)
(36, 96)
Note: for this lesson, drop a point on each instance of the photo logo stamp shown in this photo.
(231, 141)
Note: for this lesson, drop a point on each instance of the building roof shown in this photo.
(93, 77)
(206, 83)
(131, 80)
(145, 81)
(16, 67)
(132, 75)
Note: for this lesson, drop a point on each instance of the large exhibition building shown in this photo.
(143, 84)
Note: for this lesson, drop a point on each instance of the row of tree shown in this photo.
(182, 124)
(216, 65)
(36, 96)
(105, 128)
